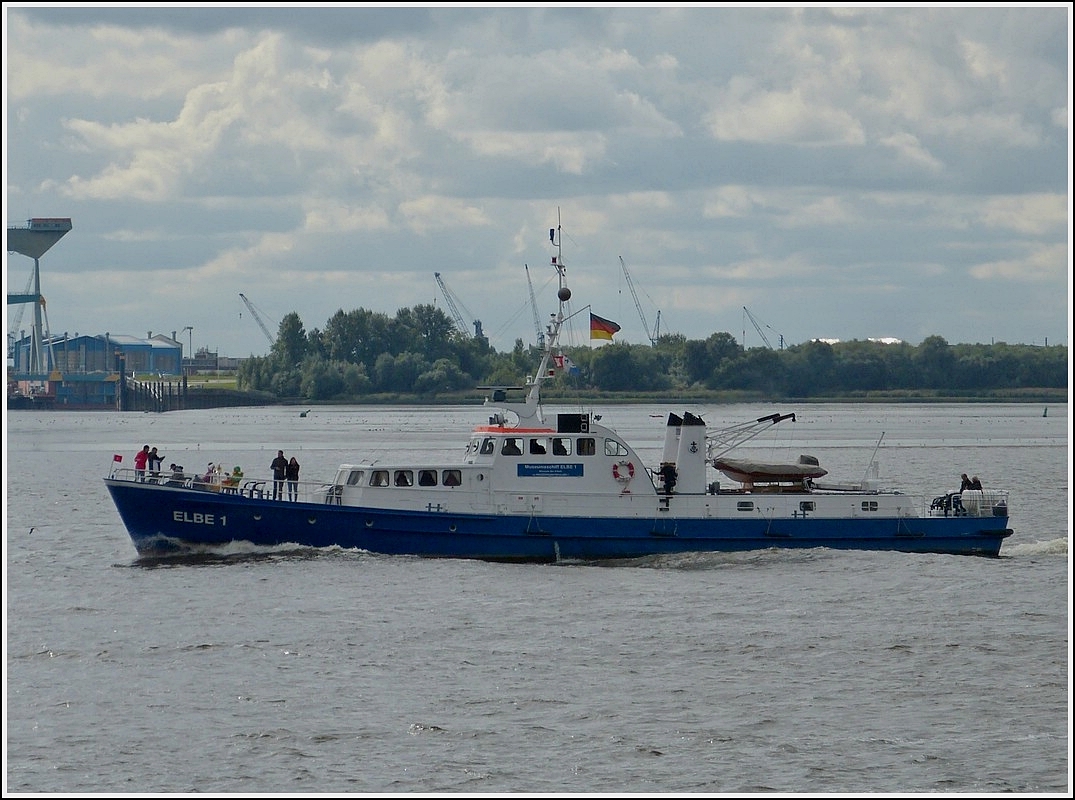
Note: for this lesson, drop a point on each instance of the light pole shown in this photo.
(190, 354)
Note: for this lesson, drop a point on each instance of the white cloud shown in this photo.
(1039, 265)
(814, 161)
(745, 113)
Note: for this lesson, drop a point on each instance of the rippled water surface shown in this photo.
(337, 671)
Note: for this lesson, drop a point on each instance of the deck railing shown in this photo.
(989, 503)
(260, 488)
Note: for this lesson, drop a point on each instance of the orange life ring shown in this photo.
(623, 471)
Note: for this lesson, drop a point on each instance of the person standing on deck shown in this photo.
(140, 460)
(155, 461)
(292, 479)
(279, 472)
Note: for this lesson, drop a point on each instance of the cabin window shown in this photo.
(806, 505)
(561, 446)
(404, 477)
(379, 477)
(512, 446)
(744, 505)
(614, 448)
(487, 447)
(586, 446)
(451, 477)
(427, 477)
(355, 478)
(869, 505)
(537, 447)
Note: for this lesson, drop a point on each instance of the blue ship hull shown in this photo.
(164, 521)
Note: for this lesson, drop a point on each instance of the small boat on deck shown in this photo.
(531, 487)
(750, 472)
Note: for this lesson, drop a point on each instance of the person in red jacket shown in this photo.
(140, 459)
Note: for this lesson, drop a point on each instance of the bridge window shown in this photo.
(487, 447)
(586, 446)
(513, 446)
(537, 447)
(561, 446)
(614, 448)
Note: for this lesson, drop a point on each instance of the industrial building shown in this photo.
(47, 371)
(84, 355)
(84, 371)
(103, 371)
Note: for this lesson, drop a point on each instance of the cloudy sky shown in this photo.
(841, 172)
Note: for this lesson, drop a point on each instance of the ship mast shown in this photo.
(529, 410)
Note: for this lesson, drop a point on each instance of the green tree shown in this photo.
(759, 369)
(443, 376)
(322, 380)
(290, 346)
(398, 373)
(702, 357)
(810, 368)
(934, 362)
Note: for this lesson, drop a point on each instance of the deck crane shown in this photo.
(258, 320)
(656, 332)
(757, 327)
(452, 300)
(533, 306)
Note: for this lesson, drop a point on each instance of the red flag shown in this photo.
(117, 457)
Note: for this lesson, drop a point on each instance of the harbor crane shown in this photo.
(757, 327)
(452, 300)
(533, 306)
(16, 320)
(34, 240)
(258, 320)
(655, 334)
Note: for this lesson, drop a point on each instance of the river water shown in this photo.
(336, 671)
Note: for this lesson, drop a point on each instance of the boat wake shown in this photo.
(1049, 547)
(701, 560)
(183, 555)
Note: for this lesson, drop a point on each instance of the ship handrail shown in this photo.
(971, 503)
(307, 491)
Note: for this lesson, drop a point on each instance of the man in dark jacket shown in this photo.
(279, 472)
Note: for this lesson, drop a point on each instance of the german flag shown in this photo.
(601, 328)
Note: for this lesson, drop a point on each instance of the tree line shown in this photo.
(419, 351)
